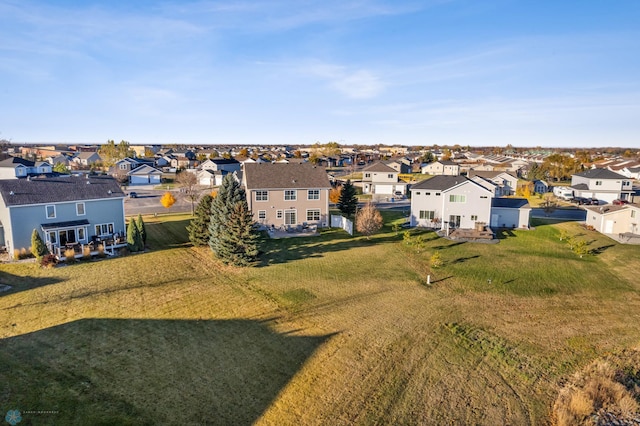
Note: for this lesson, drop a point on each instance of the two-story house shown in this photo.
(447, 202)
(441, 167)
(282, 194)
(603, 185)
(381, 180)
(64, 210)
(16, 167)
(506, 182)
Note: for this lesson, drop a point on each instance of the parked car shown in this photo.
(620, 202)
(133, 194)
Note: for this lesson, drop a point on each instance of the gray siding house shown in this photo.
(64, 210)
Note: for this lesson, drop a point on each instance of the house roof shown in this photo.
(144, 170)
(441, 182)
(85, 155)
(379, 167)
(446, 162)
(18, 192)
(511, 203)
(488, 174)
(14, 161)
(223, 161)
(285, 175)
(580, 186)
(68, 224)
(600, 174)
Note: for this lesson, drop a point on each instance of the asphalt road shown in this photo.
(148, 202)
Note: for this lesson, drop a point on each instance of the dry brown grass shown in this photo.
(600, 388)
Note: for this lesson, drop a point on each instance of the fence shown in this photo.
(342, 222)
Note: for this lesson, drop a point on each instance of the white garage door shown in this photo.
(384, 189)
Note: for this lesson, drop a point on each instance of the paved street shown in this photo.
(148, 202)
(561, 213)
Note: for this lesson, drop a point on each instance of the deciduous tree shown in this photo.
(334, 194)
(368, 220)
(188, 184)
(167, 200)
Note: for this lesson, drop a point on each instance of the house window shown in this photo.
(390, 176)
(483, 196)
(313, 215)
(262, 195)
(278, 214)
(313, 194)
(598, 183)
(67, 236)
(262, 214)
(474, 217)
(51, 212)
(417, 193)
(633, 213)
(427, 214)
(437, 194)
(104, 229)
(123, 166)
(428, 193)
(80, 209)
(367, 175)
(290, 195)
(457, 198)
(626, 183)
(80, 234)
(289, 217)
(53, 237)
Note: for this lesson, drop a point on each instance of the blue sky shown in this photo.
(469, 72)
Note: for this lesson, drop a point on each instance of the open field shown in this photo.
(330, 329)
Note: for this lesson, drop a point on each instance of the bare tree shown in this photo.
(188, 184)
(368, 220)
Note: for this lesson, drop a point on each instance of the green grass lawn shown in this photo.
(329, 329)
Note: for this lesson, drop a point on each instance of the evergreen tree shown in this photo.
(133, 236)
(233, 237)
(38, 247)
(348, 202)
(142, 229)
(198, 228)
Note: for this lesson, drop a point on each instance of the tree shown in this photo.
(368, 220)
(198, 228)
(348, 202)
(61, 168)
(436, 259)
(142, 229)
(167, 200)
(38, 247)
(233, 236)
(188, 184)
(334, 194)
(134, 241)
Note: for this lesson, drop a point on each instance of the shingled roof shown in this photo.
(19, 192)
(379, 167)
(14, 161)
(441, 182)
(283, 175)
(600, 174)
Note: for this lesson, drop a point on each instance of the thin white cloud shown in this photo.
(350, 82)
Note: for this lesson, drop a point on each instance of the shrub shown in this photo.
(436, 260)
(101, 250)
(70, 256)
(48, 261)
(86, 252)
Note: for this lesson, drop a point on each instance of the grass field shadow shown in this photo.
(101, 371)
(18, 283)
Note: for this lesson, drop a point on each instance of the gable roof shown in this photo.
(379, 167)
(18, 192)
(144, 170)
(442, 182)
(600, 174)
(489, 174)
(14, 161)
(285, 175)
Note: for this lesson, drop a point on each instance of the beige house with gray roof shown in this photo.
(289, 195)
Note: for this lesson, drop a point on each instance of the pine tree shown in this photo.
(198, 228)
(348, 202)
(233, 237)
(133, 236)
(142, 229)
(38, 247)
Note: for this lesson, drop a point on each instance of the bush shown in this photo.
(86, 252)
(48, 261)
(70, 256)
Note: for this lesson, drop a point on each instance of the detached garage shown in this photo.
(510, 213)
(145, 175)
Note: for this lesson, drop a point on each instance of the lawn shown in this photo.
(329, 329)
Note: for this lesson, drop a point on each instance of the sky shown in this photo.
(470, 72)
